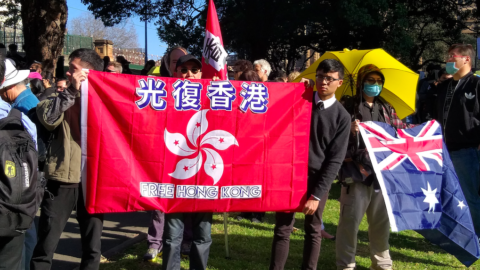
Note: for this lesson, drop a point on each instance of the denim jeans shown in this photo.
(467, 166)
(172, 239)
(28, 246)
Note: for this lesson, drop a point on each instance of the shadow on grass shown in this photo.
(253, 253)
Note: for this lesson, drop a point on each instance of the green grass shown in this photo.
(250, 246)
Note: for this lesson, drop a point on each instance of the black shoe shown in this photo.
(185, 250)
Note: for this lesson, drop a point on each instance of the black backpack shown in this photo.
(20, 189)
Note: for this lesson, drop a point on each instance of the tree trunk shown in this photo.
(44, 25)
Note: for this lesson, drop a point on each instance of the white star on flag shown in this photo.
(430, 197)
(461, 204)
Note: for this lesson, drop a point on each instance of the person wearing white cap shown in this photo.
(14, 251)
(14, 89)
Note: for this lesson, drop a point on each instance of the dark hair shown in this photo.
(149, 64)
(249, 75)
(2, 46)
(242, 65)
(464, 49)
(278, 79)
(37, 87)
(61, 79)
(48, 76)
(12, 46)
(164, 70)
(331, 65)
(441, 72)
(106, 60)
(88, 56)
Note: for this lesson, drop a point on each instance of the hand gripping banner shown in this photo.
(193, 145)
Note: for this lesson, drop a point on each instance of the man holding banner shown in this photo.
(61, 115)
(329, 131)
(188, 67)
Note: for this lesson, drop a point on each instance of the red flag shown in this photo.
(193, 145)
(214, 56)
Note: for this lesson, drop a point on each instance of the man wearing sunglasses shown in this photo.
(458, 112)
(188, 67)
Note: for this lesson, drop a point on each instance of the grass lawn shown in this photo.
(250, 246)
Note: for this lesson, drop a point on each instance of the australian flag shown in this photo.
(420, 186)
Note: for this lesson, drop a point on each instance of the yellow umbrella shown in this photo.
(400, 82)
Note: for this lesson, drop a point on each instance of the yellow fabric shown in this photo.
(400, 82)
(154, 71)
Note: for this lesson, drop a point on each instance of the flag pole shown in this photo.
(225, 226)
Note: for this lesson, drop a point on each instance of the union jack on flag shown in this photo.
(420, 186)
(426, 144)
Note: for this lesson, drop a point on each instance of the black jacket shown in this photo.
(462, 128)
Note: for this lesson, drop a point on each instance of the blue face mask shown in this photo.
(450, 68)
(372, 90)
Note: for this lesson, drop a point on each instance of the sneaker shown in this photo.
(256, 220)
(152, 255)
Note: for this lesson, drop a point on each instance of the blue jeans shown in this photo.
(172, 239)
(467, 166)
(28, 246)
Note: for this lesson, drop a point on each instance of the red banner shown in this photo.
(214, 55)
(193, 146)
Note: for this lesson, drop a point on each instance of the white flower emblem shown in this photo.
(188, 167)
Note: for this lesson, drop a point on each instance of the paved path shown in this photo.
(117, 229)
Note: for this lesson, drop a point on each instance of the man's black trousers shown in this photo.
(53, 218)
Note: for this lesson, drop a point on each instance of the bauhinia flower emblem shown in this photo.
(188, 167)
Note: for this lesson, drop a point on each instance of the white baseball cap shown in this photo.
(12, 74)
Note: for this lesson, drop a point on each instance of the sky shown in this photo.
(155, 45)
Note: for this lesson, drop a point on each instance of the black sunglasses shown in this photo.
(193, 70)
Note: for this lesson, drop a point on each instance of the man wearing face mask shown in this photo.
(360, 190)
(458, 112)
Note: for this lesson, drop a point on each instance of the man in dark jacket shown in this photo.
(329, 129)
(458, 111)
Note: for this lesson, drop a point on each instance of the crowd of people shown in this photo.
(51, 114)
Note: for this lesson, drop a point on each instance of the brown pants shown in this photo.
(313, 238)
(358, 201)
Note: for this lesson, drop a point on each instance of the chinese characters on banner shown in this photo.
(193, 145)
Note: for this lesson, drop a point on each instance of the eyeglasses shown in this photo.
(326, 78)
(193, 70)
(454, 56)
(372, 81)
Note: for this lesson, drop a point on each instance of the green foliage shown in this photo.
(281, 31)
(11, 12)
